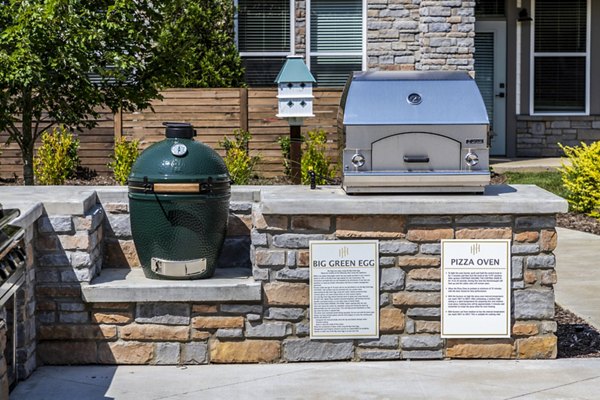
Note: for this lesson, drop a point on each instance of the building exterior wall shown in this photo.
(541, 136)
(411, 34)
(393, 34)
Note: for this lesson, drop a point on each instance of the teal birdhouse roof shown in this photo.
(294, 70)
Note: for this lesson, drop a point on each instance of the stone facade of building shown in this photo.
(412, 34)
(540, 136)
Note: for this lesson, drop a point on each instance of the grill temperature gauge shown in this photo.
(179, 150)
(414, 99)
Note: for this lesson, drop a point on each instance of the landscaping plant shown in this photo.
(237, 158)
(285, 144)
(314, 158)
(582, 178)
(126, 153)
(56, 159)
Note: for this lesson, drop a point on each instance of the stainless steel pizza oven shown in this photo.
(414, 132)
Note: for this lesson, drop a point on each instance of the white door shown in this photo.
(490, 75)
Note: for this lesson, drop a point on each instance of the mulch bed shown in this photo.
(576, 338)
(578, 222)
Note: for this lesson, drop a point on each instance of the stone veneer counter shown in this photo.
(93, 305)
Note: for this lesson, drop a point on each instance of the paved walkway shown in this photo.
(578, 270)
(501, 165)
(468, 379)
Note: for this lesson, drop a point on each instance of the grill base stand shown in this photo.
(468, 182)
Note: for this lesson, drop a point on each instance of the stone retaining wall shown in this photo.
(276, 329)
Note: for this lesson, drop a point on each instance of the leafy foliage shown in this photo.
(196, 46)
(239, 162)
(57, 158)
(582, 178)
(285, 144)
(314, 158)
(61, 61)
(126, 153)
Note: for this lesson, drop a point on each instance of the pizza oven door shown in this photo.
(416, 151)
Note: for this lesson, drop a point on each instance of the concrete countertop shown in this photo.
(332, 200)
(68, 200)
(77, 200)
(130, 285)
(325, 200)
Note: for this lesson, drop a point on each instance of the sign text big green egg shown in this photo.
(344, 289)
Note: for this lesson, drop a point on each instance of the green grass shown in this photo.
(551, 181)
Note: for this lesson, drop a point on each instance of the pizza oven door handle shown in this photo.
(416, 159)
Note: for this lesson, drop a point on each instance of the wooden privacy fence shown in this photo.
(215, 113)
(96, 146)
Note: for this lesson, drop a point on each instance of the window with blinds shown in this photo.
(560, 56)
(336, 40)
(264, 38)
(489, 8)
(484, 70)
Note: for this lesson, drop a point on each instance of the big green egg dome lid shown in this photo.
(179, 159)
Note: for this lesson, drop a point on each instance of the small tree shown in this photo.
(239, 162)
(314, 158)
(56, 159)
(125, 154)
(61, 60)
(196, 46)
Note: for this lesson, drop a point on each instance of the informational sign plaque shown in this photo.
(344, 289)
(476, 288)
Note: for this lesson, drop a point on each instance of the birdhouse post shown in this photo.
(295, 102)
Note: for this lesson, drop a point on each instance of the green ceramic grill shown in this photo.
(179, 191)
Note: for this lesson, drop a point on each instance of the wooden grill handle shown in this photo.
(176, 187)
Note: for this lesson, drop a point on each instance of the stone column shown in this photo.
(392, 34)
(300, 27)
(446, 35)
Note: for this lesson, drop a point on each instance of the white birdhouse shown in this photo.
(294, 93)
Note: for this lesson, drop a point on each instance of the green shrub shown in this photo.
(285, 144)
(314, 158)
(126, 152)
(582, 178)
(239, 162)
(56, 159)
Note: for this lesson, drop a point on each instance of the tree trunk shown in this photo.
(28, 142)
(27, 157)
